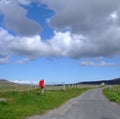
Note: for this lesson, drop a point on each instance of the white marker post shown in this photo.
(64, 86)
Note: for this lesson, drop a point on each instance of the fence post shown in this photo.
(64, 86)
(42, 90)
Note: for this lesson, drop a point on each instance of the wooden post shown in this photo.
(42, 90)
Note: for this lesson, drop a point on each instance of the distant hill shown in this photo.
(7, 86)
(6, 82)
(107, 82)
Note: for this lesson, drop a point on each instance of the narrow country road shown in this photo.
(90, 105)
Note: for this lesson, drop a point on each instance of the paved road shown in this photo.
(90, 105)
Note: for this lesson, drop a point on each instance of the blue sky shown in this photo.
(59, 41)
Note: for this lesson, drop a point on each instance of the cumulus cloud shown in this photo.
(102, 63)
(5, 39)
(15, 19)
(82, 16)
(61, 45)
(82, 28)
(33, 47)
(98, 20)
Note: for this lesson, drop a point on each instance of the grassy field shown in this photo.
(26, 103)
(113, 93)
(10, 88)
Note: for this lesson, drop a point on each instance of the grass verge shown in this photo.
(112, 95)
(22, 104)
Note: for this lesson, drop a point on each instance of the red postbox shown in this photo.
(41, 83)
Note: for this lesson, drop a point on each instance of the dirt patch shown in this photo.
(3, 100)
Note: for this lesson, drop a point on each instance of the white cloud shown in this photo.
(25, 82)
(27, 2)
(24, 2)
(97, 20)
(33, 47)
(3, 59)
(102, 63)
(82, 16)
(15, 18)
(60, 45)
(5, 40)
(94, 30)
(114, 16)
(23, 61)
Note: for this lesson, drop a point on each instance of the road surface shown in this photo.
(90, 105)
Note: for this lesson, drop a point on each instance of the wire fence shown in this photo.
(34, 85)
(114, 88)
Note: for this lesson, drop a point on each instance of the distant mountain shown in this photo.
(116, 79)
(107, 82)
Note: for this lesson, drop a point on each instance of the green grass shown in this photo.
(22, 104)
(113, 94)
(8, 88)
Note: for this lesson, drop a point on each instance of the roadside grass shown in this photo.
(23, 104)
(112, 93)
